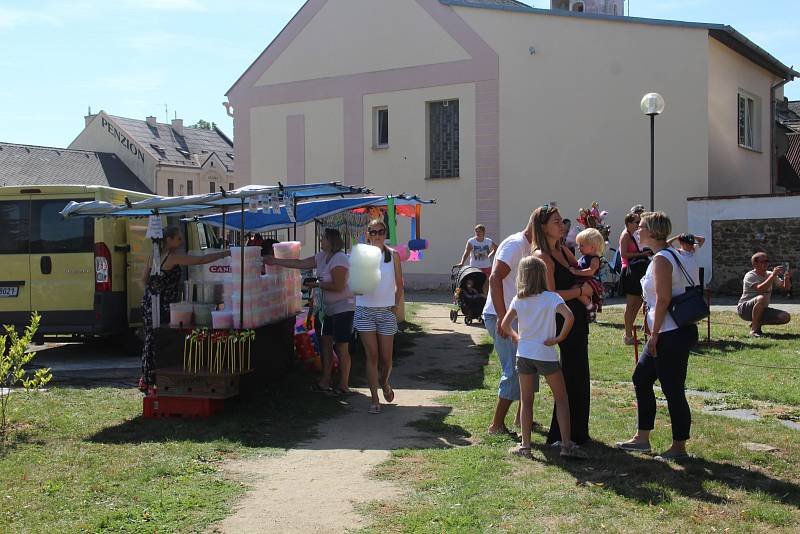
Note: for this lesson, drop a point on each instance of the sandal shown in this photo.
(375, 409)
(316, 388)
(338, 392)
(573, 451)
(519, 450)
(390, 396)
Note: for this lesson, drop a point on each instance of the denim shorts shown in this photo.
(506, 350)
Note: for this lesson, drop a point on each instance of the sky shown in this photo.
(135, 58)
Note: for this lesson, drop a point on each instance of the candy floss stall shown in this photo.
(233, 331)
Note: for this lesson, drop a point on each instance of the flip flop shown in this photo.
(390, 396)
(375, 409)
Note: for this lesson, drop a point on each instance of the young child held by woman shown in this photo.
(591, 245)
(535, 310)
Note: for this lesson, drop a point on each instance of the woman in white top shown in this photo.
(666, 356)
(335, 322)
(376, 317)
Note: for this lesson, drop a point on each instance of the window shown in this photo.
(15, 222)
(380, 127)
(170, 187)
(230, 187)
(577, 7)
(749, 121)
(443, 151)
(184, 153)
(189, 188)
(51, 233)
(212, 187)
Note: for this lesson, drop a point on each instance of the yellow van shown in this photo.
(82, 275)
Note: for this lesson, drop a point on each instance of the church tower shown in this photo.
(601, 7)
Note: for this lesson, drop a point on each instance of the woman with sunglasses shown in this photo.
(376, 317)
(338, 306)
(548, 231)
(666, 355)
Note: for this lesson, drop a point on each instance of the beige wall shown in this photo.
(402, 168)
(732, 169)
(378, 41)
(571, 129)
(324, 145)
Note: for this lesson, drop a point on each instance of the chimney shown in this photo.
(89, 116)
(151, 121)
(177, 126)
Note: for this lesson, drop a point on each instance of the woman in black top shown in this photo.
(166, 284)
(548, 229)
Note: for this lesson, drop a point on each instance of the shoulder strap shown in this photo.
(686, 274)
(164, 261)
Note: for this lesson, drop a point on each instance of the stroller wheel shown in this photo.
(454, 315)
(468, 321)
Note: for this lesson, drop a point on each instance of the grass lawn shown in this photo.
(726, 488)
(83, 460)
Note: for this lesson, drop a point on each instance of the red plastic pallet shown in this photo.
(156, 407)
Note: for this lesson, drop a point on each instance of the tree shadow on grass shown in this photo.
(730, 345)
(645, 480)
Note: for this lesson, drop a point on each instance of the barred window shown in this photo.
(443, 151)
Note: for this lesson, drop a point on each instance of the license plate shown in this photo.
(6, 292)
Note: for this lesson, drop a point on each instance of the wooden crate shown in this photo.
(175, 382)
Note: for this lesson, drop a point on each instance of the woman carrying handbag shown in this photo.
(666, 355)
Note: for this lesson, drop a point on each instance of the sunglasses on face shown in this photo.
(377, 232)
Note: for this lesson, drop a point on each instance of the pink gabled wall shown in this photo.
(482, 69)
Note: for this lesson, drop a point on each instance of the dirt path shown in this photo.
(316, 486)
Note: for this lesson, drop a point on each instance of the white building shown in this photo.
(494, 108)
(171, 159)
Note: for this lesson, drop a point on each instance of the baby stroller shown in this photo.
(467, 287)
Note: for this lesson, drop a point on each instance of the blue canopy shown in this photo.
(207, 203)
(307, 212)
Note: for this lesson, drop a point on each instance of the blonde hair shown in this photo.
(592, 236)
(531, 277)
(376, 222)
(540, 217)
(480, 227)
(658, 223)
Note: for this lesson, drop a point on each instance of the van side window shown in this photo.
(51, 233)
(14, 222)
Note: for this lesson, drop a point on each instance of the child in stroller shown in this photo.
(467, 295)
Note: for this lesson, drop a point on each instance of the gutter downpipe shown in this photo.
(773, 153)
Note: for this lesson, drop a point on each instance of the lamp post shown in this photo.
(652, 105)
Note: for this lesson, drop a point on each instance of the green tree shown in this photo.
(204, 125)
(13, 359)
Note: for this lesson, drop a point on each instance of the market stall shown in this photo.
(233, 331)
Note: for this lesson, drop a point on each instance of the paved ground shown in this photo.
(334, 470)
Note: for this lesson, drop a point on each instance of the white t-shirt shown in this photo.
(679, 284)
(480, 253)
(334, 301)
(536, 317)
(511, 251)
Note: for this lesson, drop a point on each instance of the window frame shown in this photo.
(377, 111)
(748, 121)
(170, 187)
(428, 138)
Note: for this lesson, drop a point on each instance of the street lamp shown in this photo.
(652, 105)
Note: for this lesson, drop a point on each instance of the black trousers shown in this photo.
(669, 366)
(575, 366)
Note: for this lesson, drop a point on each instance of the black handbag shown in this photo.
(690, 307)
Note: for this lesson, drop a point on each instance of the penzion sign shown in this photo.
(123, 139)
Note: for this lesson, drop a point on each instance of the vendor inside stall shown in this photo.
(166, 283)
